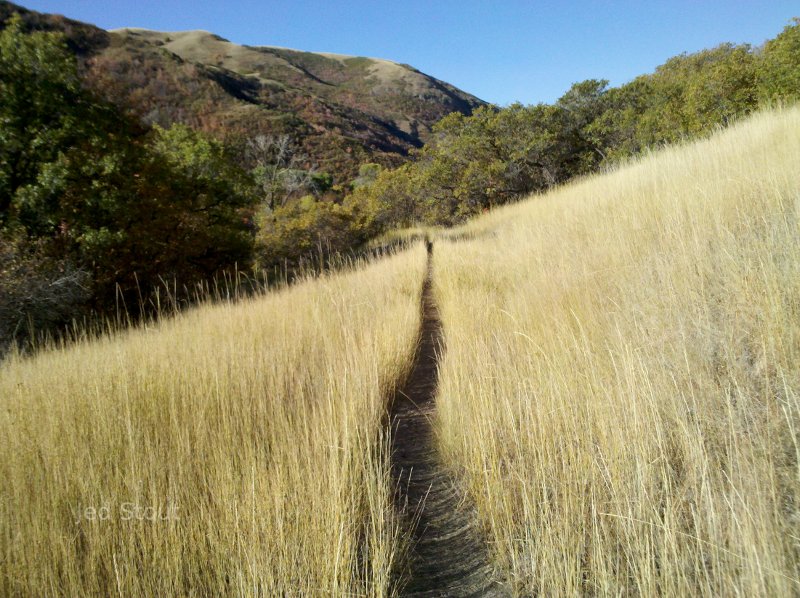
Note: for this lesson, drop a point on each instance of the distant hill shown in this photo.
(341, 110)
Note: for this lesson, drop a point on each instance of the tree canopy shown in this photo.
(500, 154)
(85, 187)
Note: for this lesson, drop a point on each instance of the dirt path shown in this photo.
(448, 556)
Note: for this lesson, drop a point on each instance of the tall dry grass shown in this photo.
(621, 388)
(234, 450)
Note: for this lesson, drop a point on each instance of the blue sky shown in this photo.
(500, 51)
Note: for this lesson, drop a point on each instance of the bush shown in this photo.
(38, 295)
(304, 231)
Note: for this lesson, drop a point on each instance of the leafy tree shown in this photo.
(691, 94)
(391, 200)
(463, 166)
(724, 89)
(306, 230)
(42, 108)
(578, 149)
(85, 184)
(615, 131)
(779, 66)
(207, 220)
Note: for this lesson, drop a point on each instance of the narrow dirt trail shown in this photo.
(448, 556)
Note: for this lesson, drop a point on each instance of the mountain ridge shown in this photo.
(340, 111)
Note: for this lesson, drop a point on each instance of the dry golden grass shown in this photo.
(255, 428)
(621, 388)
(620, 393)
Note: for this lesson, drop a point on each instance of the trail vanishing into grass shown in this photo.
(447, 555)
(617, 412)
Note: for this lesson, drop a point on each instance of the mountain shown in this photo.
(341, 111)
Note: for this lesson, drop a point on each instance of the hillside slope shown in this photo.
(620, 394)
(341, 110)
(621, 387)
(232, 450)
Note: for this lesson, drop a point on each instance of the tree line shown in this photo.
(98, 208)
(499, 155)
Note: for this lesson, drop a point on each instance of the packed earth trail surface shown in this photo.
(448, 555)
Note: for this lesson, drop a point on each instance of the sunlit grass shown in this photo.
(253, 429)
(620, 393)
(621, 387)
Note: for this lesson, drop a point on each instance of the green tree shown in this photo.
(390, 201)
(495, 156)
(88, 185)
(691, 94)
(779, 65)
(42, 108)
(615, 131)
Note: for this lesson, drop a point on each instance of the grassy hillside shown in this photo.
(494, 157)
(621, 388)
(252, 433)
(619, 392)
(342, 110)
(136, 157)
(375, 86)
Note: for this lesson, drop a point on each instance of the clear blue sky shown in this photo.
(502, 51)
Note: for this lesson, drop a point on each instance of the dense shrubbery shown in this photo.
(85, 189)
(495, 156)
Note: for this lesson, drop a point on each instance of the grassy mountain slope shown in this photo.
(397, 94)
(342, 111)
(621, 388)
